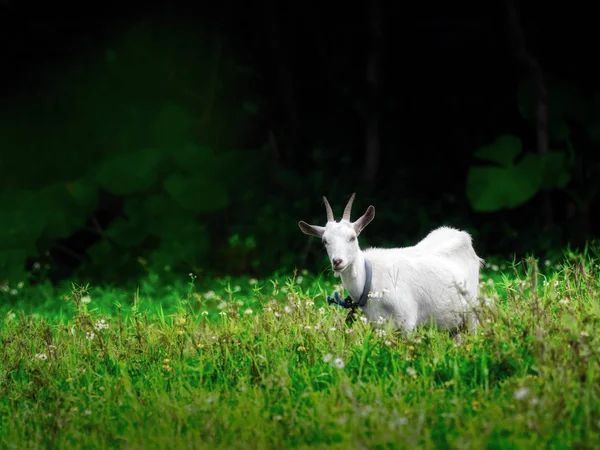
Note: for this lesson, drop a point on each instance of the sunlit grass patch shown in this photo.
(242, 363)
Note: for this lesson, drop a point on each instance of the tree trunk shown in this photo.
(541, 110)
(373, 76)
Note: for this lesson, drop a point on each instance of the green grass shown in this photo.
(263, 364)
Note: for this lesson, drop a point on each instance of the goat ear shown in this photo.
(311, 230)
(364, 220)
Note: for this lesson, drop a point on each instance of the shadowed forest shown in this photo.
(194, 137)
(156, 290)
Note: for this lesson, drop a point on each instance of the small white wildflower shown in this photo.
(36, 265)
(411, 371)
(86, 299)
(41, 356)
(502, 266)
(205, 313)
(87, 412)
(237, 289)
(73, 328)
(321, 310)
(557, 267)
(555, 283)
(277, 314)
(333, 329)
(210, 294)
(363, 319)
(489, 282)
(388, 343)
(299, 279)
(328, 357)
(101, 325)
(584, 334)
(547, 262)
(277, 417)
(253, 281)
(222, 313)
(374, 294)
(248, 311)
(287, 309)
(90, 335)
(521, 393)
(487, 265)
(4, 288)
(11, 316)
(380, 321)
(310, 303)
(339, 363)
(13, 292)
(222, 305)
(380, 332)
(495, 268)
(417, 340)
(304, 272)
(564, 301)
(307, 327)
(20, 285)
(51, 348)
(349, 330)
(400, 421)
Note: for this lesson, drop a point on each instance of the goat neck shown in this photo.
(354, 277)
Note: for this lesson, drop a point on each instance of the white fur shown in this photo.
(433, 282)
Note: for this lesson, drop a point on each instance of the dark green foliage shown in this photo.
(514, 180)
(144, 123)
(511, 183)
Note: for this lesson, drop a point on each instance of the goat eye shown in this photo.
(352, 239)
(324, 241)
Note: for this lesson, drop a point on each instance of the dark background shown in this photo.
(178, 137)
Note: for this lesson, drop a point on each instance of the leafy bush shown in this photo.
(123, 136)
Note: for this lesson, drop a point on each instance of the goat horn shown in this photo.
(329, 211)
(348, 209)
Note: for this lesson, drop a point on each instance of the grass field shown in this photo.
(248, 364)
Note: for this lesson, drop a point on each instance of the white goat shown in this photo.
(434, 282)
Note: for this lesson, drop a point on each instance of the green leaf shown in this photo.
(65, 207)
(190, 251)
(126, 232)
(85, 195)
(593, 128)
(172, 128)
(129, 173)
(494, 188)
(198, 194)
(555, 173)
(250, 107)
(502, 151)
(21, 220)
(194, 158)
(12, 264)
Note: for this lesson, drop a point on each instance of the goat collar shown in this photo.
(362, 301)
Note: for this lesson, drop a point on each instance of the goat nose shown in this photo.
(337, 262)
